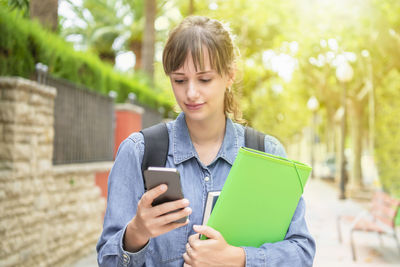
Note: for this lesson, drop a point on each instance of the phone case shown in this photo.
(155, 176)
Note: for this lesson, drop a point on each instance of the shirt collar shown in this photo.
(183, 148)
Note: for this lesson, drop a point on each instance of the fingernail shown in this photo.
(185, 201)
(163, 187)
(197, 227)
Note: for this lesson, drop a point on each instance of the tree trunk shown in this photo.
(136, 47)
(338, 156)
(330, 134)
(149, 38)
(356, 113)
(46, 11)
(191, 7)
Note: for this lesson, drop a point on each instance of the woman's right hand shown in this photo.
(152, 221)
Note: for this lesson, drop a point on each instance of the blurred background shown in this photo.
(78, 76)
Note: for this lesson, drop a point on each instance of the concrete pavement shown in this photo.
(88, 261)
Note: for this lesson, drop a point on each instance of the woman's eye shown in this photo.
(179, 81)
(205, 80)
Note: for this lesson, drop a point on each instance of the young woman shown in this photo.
(199, 58)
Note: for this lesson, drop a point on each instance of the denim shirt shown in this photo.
(125, 188)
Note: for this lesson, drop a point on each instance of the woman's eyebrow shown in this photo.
(197, 73)
(177, 73)
(204, 72)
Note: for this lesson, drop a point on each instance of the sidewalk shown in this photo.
(322, 208)
(88, 261)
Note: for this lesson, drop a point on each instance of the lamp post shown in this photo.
(344, 73)
(312, 104)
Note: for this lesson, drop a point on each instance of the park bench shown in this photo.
(380, 219)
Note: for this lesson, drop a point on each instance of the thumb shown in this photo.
(207, 231)
(149, 196)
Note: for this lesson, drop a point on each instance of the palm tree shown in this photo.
(46, 11)
(149, 38)
(21, 5)
(100, 23)
(134, 43)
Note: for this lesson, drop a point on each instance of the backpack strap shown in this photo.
(156, 143)
(254, 139)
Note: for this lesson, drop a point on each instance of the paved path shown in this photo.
(322, 208)
(88, 261)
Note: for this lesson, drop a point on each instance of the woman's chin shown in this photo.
(194, 115)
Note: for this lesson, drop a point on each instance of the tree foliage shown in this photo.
(366, 34)
(290, 51)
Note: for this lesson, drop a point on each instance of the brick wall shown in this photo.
(128, 120)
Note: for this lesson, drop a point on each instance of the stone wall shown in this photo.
(49, 215)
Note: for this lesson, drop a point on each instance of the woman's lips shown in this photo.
(194, 106)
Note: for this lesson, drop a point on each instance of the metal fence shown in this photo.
(83, 124)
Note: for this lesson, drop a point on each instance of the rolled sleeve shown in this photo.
(127, 258)
(254, 256)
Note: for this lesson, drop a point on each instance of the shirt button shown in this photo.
(125, 259)
(206, 178)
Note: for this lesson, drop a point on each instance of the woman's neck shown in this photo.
(203, 132)
(207, 137)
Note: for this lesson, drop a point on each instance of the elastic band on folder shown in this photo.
(298, 176)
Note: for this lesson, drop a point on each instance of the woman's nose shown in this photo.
(192, 92)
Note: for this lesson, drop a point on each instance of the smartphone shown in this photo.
(155, 176)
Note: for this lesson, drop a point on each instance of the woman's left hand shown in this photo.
(213, 251)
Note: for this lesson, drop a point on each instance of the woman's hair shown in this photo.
(191, 35)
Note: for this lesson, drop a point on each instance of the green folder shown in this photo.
(259, 198)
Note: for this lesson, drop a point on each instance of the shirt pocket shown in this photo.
(170, 246)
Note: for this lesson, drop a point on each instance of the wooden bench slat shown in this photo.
(366, 225)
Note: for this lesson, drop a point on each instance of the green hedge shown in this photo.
(23, 43)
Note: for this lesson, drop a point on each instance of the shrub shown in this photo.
(23, 43)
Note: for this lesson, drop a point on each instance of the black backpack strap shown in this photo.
(254, 139)
(156, 143)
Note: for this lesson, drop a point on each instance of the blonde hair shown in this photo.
(191, 35)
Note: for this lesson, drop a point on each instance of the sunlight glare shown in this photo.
(125, 61)
(162, 23)
(333, 44)
(283, 64)
(213, 6)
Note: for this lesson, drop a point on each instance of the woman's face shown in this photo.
(200, 94)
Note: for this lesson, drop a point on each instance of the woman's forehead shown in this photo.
(194, 64)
